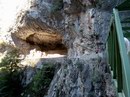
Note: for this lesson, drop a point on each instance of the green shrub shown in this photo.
(57, 5)
(41, 81)
(10, 83)
(80, 66)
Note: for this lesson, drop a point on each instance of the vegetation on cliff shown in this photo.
(10, 76)
(41, 81)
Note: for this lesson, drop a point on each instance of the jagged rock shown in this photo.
(79, 27)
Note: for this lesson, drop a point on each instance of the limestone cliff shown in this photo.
(79, 28)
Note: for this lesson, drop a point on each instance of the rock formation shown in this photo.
(79, 28)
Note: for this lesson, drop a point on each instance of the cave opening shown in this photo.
(51, 44)
(50, 48)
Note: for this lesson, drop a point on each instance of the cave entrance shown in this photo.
(51, 44)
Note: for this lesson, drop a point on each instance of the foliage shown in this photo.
(10, 61)
(41, 81)
(57, 5)
(79, 66)
(10, 83)
(96, 76)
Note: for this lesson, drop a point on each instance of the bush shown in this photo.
(57, 5)
(10, 72)
(41, 81)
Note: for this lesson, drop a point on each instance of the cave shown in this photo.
(46, 42)
(50, 43)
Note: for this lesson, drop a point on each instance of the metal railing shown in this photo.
(118, 57)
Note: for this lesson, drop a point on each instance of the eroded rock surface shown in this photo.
(79, 27)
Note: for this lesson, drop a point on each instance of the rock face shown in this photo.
(79, 27)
